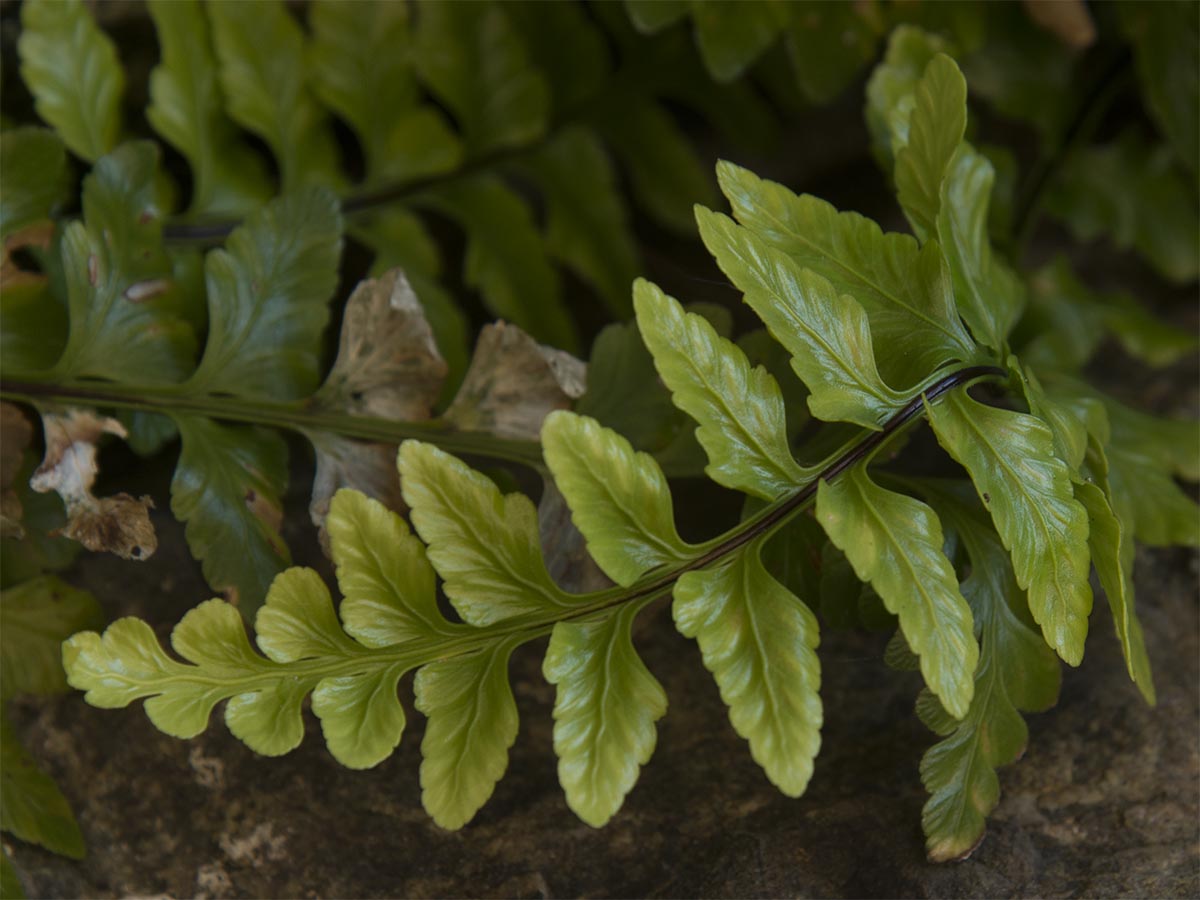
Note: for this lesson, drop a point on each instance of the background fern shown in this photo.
(525, 173)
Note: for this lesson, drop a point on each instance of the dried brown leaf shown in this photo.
(388, 363)
(118, 524)
(513, 383)
(387, 366)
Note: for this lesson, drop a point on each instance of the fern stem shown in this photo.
(289, 416)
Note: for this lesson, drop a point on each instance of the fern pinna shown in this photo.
(986, 576)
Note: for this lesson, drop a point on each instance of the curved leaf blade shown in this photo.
(484, 544)
(742, 424)
(604, 711)
(186, 109)
(827, 334)
(383, 573)
(472, 723)
(227, 488)
(260, 48)
(895, 542)
(268, 299)
(759, 641)
(72, 69)
(1010, 458)
(126, 316)
(905, 289)
(619, 498)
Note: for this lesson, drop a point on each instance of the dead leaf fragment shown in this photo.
(15, 435)
(513, 383)
(1067, 20)
(388, 363)
(388, 366)
(119, 524)
(346, 463)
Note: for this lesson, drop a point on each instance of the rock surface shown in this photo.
(1106, 801)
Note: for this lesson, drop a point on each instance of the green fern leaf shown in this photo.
(261, 51)
(740, 410)
(473, 60)
(828, 44)
(904, 289)
(892, 87)
(35, 174)
(939, 118)
(604, 711)
(1010, 457)
(619, 498)
(71, 67)
(124, 309)
(361, 60)
(895, 543)
(34, 163)
(228, 487)
(268, 295)
(382, 571)
(484, 544)
(668, 178)
(990, 297)
(1111, 543)
(567, 47)
(32, 808)
(651, 16)
(731, 36)
(587, 225)
(1160, 513)
(828, 335)
(759, 641)
(506, 259)
(472, 723)
(36, 617)
(1016, 672)
(186, 109)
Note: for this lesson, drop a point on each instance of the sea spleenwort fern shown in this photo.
(1051, 489)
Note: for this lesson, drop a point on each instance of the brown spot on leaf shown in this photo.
(93, 269)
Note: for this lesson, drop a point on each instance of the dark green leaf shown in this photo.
(268, 295)
(731, 36)
(829, 44)
(35, 177)
(71, 67)
(472, 58)
(506, 259)
(1166, 41)
(587, 226)
(124, 306)
(32, 807)
(228, 487)
(263, 76)
(1133, 194)
(186, 109)
(36, 617)
(667, 177)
